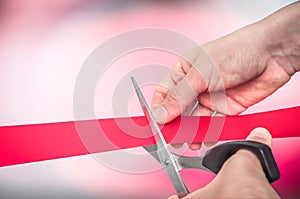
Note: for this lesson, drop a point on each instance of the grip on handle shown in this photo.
(216, 157)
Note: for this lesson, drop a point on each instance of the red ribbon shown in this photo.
(37, 142)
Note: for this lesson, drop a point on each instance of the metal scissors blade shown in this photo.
(166, 159)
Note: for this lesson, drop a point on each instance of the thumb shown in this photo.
(261, 135)
(244, 162)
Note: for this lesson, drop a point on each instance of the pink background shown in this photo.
(43, 46)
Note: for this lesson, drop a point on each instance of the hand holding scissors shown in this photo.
(212, 161)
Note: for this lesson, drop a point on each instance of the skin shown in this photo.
(252, 63)
(247, 65)
(241, 175)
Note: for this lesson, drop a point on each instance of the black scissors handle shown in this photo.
(216, 157)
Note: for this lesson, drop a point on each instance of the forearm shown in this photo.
(282, 37)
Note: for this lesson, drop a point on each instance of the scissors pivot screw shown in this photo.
(167, 162)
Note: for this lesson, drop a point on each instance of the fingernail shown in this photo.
(260, 132)
(160, 113)
(173, 197)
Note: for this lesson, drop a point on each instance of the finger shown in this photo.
(240, 170)
(245, 159)
(196, 109)
(177, 73)
(209, 144)
(237, 99)
(261, 135)
(180, 97)
(176, 146)
(173, 197)
(195, 146)
(201, 110)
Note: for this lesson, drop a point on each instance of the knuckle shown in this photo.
(172, 97)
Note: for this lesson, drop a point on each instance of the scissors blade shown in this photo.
(183, 162)
(165, 157)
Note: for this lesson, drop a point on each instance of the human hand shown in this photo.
(241, 176)
(232, 73)
(249, 65)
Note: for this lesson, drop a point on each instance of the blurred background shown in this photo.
(43, 47)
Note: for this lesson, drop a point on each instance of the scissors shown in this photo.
(213, 159)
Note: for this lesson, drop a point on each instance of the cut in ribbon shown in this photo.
(38, 142)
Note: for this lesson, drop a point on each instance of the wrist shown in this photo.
(281, 37)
